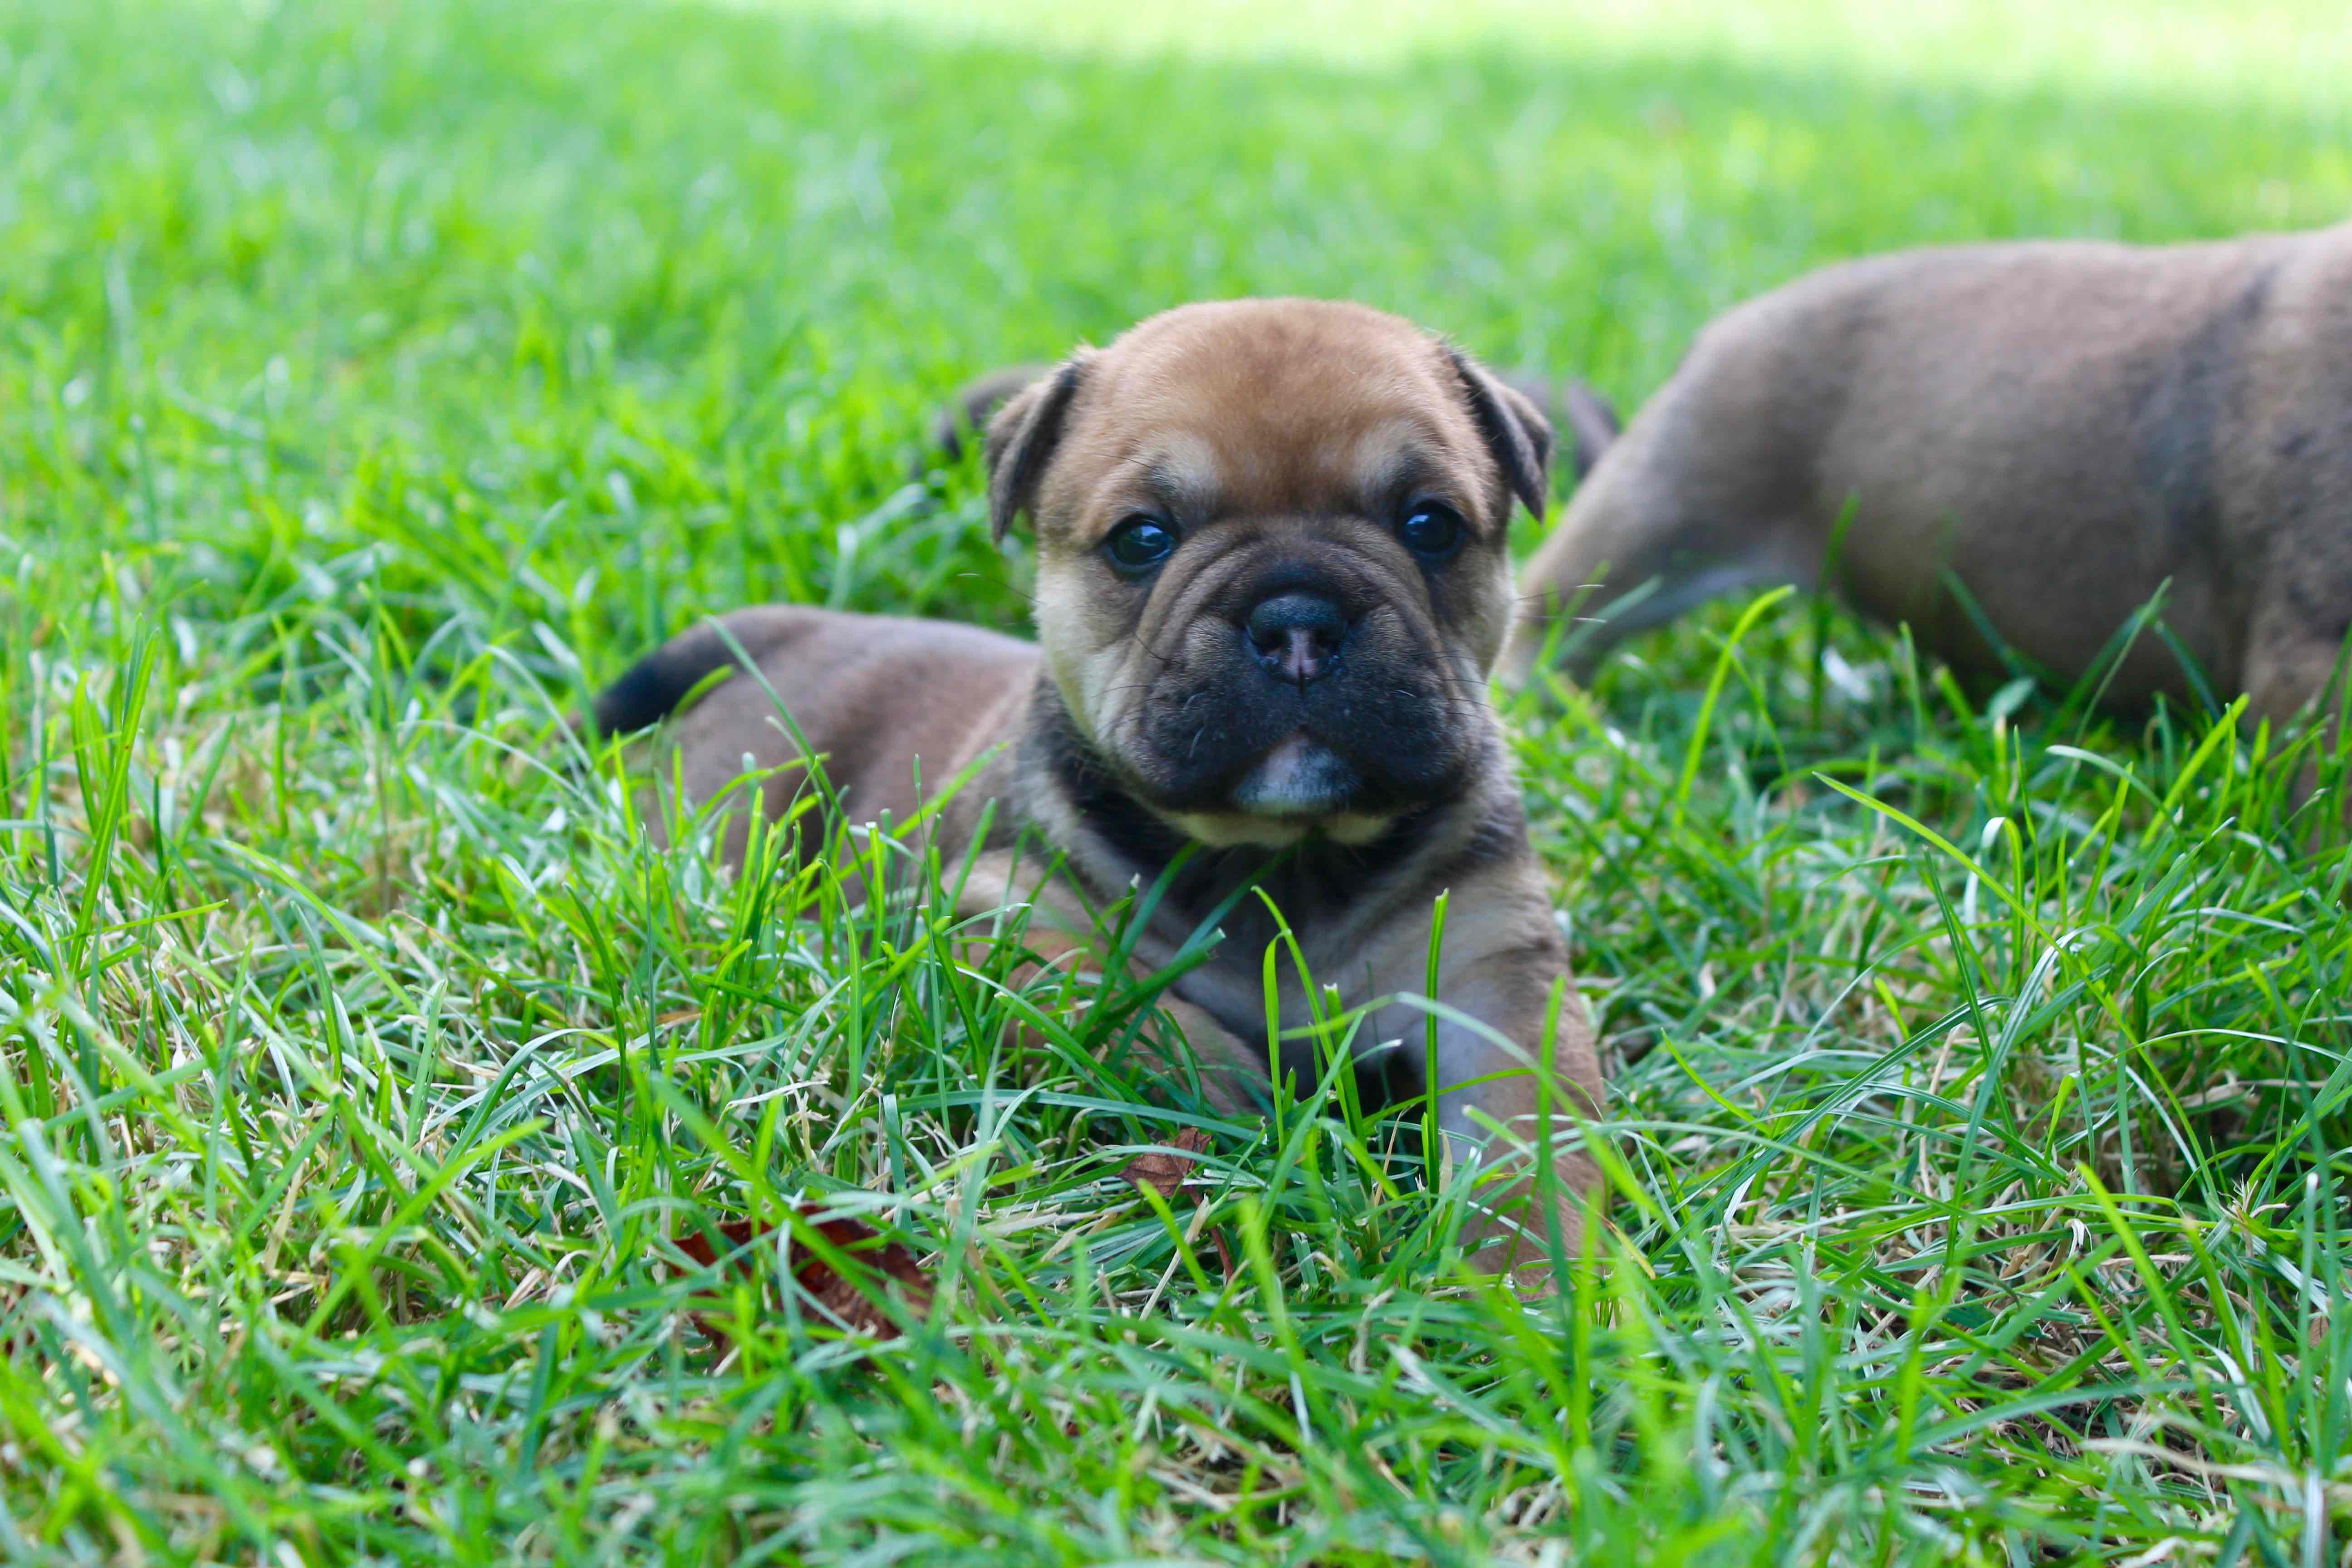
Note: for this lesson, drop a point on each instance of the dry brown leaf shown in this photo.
(869, 1264)
(865, 1252)
(12, 1298)
(1163, 1170)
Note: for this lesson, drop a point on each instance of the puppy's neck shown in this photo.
(1112, 837)
(1240, 830)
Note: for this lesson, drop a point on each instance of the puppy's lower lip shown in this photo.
(1299, 777)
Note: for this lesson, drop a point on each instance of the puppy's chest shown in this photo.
(1309, 960)
(1326, 908)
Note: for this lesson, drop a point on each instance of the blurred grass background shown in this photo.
(375, 380)
(2291, 51)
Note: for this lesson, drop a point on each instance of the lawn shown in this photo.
(376, 381)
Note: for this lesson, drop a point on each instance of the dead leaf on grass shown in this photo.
(862, 1265)
(1164, 1170)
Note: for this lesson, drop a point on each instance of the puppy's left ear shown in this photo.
(1023, 436)
(1515, 429)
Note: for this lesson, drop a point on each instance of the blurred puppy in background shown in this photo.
(2035, 440)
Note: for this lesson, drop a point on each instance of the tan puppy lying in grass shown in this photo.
(2064, 429)
(1272, 580)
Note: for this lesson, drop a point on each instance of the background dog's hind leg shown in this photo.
(1630, 555)
(2295, 668)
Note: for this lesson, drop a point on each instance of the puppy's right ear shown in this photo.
(1022, 438)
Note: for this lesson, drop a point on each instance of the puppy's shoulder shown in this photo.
(919, 678)
(1486, 854)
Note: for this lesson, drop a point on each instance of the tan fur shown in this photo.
(1284, 441)
(2063, 428)
(1590, 421)
(872, 694)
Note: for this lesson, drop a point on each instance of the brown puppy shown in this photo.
(1271, 581)
(2064, 428)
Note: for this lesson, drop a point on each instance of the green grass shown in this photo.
(376, 381)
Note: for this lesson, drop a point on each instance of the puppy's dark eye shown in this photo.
(1432, 529)
(1138, 545)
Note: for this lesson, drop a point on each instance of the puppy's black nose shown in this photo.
(1296, 635)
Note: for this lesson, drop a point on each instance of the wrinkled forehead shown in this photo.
(1270, 415)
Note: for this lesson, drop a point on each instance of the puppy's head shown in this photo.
(1272, 574)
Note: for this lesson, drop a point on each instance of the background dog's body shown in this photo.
(2062, 427)
(1284, 695)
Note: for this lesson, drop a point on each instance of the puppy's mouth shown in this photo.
(1300, 779)
(1287, 704)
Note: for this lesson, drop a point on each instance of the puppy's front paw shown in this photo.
(1513, 1232)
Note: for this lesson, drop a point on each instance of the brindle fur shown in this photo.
(2065, 428)
(1284, 439)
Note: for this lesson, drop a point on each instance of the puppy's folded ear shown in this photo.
(1023, 436)
(1514, 425)
(974, 404)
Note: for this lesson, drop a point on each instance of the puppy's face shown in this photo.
(1272, 574)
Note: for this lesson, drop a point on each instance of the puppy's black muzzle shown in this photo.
(1296, 635)
(1313, 646)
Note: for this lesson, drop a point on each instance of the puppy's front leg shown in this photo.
(1501, 960)
(1491, 1102)
(1063, 934)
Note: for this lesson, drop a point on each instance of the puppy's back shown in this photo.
(893, 706)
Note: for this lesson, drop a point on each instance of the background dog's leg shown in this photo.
(2290, 661)
(1635, 551)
